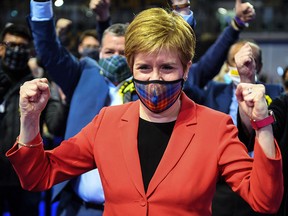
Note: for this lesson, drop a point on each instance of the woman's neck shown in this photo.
(165, 116)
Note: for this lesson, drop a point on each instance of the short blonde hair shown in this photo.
(155, 29)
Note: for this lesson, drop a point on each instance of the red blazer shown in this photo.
(203, 145)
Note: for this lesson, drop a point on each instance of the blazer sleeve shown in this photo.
(258, 180)
(39, 170)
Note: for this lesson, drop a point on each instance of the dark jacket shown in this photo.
(218, 96)
(279, 106)
(280, 129)
(54, 116)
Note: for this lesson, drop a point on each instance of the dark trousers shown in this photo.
(71, 205)
(228, 203)
(19, 202)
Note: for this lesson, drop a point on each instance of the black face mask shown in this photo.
(91, 52)
(16, 57)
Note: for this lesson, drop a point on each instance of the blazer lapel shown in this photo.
(129, 129)
(178, 143)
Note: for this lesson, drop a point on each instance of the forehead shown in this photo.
(14, 39)
(160, 56)
(90, 40)
(110, 41)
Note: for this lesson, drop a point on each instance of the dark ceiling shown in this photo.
(271, 14)
(270, 24)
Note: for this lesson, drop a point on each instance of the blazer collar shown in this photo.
(175, 149)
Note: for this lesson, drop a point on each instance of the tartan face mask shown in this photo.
(115, 68)
(158, 95)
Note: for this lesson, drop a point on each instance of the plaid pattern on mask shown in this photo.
(115, 68)
(158, 95)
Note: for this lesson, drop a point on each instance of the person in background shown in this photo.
(15, 49)
(278, 110)
(101, 9)
(79, 78)
(66, 34)
(209, 65)
(221, 96)
(285, 79)
(89, 44)
(138, 170)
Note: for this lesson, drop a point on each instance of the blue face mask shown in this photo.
(227, 79)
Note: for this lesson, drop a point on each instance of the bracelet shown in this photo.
(256, 125)
(240, 23)
(234, 26)
(28, 145)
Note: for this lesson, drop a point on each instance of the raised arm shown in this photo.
(251, 99)
(103, 17)
(209, 65)
(62, 66)
(34, 96)
(37, 169)
(246, 67)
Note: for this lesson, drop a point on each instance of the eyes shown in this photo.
(165, 68)
(13, 45)
(109, 52)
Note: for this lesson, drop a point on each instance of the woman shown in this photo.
(162, 154)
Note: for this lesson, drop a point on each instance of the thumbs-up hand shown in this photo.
(244, 11)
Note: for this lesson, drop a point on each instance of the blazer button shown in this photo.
(143, 203)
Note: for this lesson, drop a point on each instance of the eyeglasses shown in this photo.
(12, 44)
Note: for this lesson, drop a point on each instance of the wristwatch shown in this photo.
(256, 125)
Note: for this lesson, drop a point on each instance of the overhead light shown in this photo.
(58, 3)
(222, 11)
(14, 13)
(280, 71)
